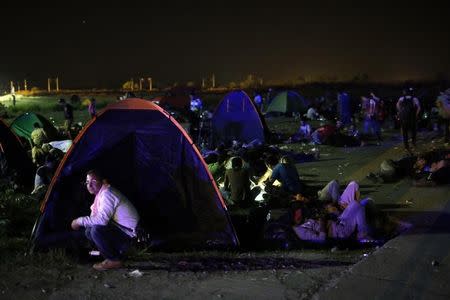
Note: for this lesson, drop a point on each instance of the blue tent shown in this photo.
(237, 118)
(149, 157)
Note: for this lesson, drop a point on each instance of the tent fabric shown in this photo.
(287, 102)
(23, 126)
(237, 118)
(14, 156)
(146, 155)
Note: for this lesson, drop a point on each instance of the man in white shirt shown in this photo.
(112, 223)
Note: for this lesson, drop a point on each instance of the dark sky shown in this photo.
(89, 45)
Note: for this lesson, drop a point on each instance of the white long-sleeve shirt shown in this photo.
(111, 205)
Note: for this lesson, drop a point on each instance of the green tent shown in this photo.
(14, 158)
(23, 125)
(287, 102)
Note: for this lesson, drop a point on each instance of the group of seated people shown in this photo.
(46, 156)
(329, 134)
(313, 216)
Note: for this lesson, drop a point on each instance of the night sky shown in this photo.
(88, 45)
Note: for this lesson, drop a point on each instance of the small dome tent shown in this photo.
(286, 103)
(148, 156)
(237, 118)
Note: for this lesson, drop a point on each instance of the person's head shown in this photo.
(94, 181)
(271, 161)
(236, 163)
(36, 125)
(296, 209)
(408, 91)
(62, 101)
(286, 159)
(420, 163)
(331, 208)
(212, 158)
(46, 147)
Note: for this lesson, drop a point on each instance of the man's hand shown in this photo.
(75, 225)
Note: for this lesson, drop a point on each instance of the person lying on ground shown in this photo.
(393, 170)
(111, 226)
(351, 214)
(308, 229)
(434, 169)
(330, 192)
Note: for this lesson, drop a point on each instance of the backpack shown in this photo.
(407, 109)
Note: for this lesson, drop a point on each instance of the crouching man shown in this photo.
(112, 223)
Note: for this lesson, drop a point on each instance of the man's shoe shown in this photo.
(108, 265)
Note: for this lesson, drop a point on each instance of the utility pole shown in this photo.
(57, 84)
(150, 84)
(203, 83)
(25, 85)
(140, 83)
(49, 88)
(213, 79)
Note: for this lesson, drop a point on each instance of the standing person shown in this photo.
(14, 100)
(408, 108)
(369, 107)
(376, 116)
(68, 116)
(258, 100)
(443, 106)
(111, 226)
(92, 108)
(344, 110)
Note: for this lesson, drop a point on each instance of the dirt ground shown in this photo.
(290, 274)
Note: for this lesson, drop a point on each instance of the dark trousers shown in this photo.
(110, 240)
(447, 129)
(406, 127)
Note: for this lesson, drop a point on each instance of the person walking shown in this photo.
(68, 117)
(408, 109)
(92, 108)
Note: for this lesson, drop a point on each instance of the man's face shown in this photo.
(420, 163)
(93, 185)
